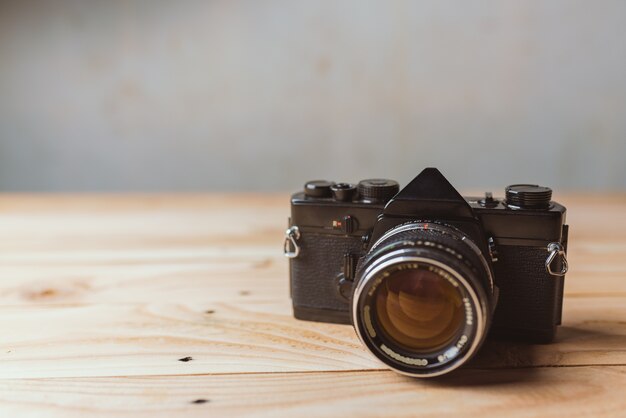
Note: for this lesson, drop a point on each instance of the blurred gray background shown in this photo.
(263, 95)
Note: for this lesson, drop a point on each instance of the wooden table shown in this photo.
(167, 305)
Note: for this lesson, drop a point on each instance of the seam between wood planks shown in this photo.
(313, 372)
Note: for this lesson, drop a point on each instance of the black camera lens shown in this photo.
(423, 299)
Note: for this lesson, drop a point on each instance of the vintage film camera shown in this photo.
(423, 274)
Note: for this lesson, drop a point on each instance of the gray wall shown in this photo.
(262, 95)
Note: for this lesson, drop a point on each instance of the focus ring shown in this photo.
(432, 239)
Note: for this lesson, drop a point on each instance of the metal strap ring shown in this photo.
(291, 236)
(556, 249)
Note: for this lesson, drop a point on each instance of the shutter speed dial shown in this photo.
(378, 190)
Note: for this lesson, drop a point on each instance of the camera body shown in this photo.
(522, 238)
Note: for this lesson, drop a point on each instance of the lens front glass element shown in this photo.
(418, 310)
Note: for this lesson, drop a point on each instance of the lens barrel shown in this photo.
(423, 298)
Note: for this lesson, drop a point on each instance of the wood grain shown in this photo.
(102, 295)
(543, 392)
(127, 339)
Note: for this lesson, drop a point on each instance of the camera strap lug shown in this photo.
(292, 235)
(555, 250)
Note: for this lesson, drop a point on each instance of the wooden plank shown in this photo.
(198, 275)
(129, 339)
(545, 392)
(54, 224)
